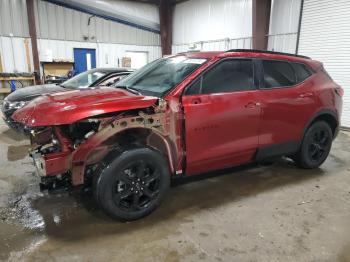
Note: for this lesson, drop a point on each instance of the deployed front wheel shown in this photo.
(315, 146)
(131, 184)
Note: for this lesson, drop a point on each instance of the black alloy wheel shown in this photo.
(315, 146)
(137, 186)
(318, 144)
(131, 184)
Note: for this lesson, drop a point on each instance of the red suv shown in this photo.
(181, 116)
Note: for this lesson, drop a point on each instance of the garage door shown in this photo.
(325, 36)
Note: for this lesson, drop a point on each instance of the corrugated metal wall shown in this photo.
(13, 54)
(107, 54)
(141, 15)
(60, 29)
(56, 22)
(284, 21)
(13, 18)
(215, 45)
(328, 40)
(212, 23)
(205, 23)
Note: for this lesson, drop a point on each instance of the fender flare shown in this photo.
(322, 112)
(155, 123)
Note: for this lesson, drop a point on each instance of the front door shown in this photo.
(84, 59)
(221, 117)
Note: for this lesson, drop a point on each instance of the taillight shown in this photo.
(339, 91)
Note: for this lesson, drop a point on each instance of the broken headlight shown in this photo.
(16, 105)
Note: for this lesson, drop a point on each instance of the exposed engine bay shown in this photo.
(68, 155)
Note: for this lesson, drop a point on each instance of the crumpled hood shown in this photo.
(69, 107)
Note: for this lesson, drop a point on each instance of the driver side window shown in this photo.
(228, 76)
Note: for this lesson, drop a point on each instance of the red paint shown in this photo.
(221, 129)
(204, 132)
(57, 163)
(69, 107)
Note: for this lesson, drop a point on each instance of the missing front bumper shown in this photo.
(53, 170)
(53, 164)
(39, 163)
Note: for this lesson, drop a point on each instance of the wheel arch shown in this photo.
(143, 136)
(326, 115)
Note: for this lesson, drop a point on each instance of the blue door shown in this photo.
(84, 59)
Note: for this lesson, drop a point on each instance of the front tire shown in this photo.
(315, 146)
(130, 185)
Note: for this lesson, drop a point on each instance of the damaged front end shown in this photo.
(51, 152)
(68, 155)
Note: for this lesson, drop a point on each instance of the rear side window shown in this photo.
(278, 74)
(229, 76)
(301, 71)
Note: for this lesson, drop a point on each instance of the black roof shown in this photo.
(109, 70)
(266, 52)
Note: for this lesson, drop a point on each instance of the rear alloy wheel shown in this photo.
(316, 146)
(132, 184)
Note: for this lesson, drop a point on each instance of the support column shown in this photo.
(32, 33)
(166, 10)
(261, 23)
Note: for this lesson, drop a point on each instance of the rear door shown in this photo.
(287, 102)
(221, 117)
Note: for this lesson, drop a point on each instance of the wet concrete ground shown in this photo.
(275, 213)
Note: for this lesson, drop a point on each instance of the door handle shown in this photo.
(252, 104)
(305, 95)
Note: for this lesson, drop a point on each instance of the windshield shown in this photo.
(160, 76)
(83, 80)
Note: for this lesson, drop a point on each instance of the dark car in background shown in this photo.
(94, 78)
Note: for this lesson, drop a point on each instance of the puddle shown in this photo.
(37, 226)
(10, 136)
(15, 153)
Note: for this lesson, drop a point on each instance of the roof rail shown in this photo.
(266, 52)
(189, 51)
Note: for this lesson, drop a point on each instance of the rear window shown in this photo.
(278, 74)
(301, 71)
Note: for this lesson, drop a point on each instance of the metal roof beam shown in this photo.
(107, 11)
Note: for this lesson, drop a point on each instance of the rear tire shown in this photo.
(315, 147)
(131, 184)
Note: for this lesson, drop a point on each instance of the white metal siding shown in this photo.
(203, 20)
(13, 54)
(107, 54)
(13, 18)
(325, 36)
(215, 45)
(57, 22)
(283, 42)
(284, 21)
(60, 29)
